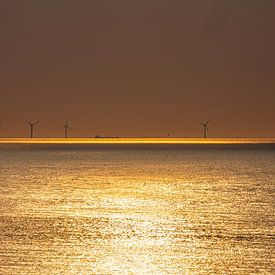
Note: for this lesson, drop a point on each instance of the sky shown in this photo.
(137, 67)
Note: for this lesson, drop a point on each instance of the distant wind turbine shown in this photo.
(66, 127)
(32, 124)
(205, 128)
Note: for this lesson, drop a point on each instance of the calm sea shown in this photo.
(137, 209)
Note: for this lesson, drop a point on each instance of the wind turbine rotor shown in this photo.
(208, 121)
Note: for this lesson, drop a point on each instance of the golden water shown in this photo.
(136, 211)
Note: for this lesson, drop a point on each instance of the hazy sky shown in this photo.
(138, 67)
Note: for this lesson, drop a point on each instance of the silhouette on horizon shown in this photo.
(66, 127)
(32, 124)
(205, 127)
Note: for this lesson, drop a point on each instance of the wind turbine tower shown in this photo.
(205, 128)
(32, 124)
(66, 127)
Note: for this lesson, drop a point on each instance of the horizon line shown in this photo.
(139, 140)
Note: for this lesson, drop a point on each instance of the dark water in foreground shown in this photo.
(147, 210)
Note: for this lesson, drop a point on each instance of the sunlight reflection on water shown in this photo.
(136, 211)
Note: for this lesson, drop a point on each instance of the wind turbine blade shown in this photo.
(62, 127)
(35, 122)
(28, 122)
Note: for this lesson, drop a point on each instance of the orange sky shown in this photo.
(138, 68)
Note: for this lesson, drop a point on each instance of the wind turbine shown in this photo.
(66, 127)
(205, 127)
(32, 124)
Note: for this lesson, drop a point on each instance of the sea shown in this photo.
(137, 208)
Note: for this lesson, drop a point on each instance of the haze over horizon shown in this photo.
(138, 68)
